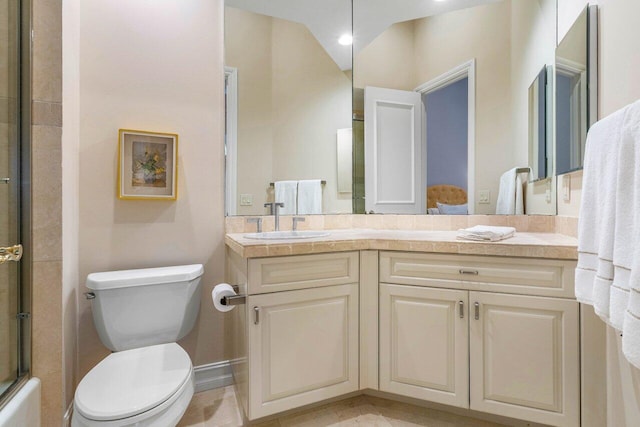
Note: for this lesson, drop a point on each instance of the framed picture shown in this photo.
(147, 165)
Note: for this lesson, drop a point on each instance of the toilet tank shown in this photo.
(139, 308)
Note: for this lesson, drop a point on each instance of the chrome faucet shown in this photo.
(274, 209)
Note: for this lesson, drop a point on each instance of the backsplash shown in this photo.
(533, 224)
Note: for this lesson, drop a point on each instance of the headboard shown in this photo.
(447, 194)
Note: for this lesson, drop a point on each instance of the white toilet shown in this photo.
(148, 380)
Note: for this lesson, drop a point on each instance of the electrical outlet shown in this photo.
(484, 197)
(246, 200)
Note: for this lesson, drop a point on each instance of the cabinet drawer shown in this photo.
(512, 275)
(302, 272)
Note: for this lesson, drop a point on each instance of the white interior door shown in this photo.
(394, 171)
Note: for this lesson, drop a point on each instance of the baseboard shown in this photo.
(66, 419)
(213, 375)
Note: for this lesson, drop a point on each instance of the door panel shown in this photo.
(524, 358)
(304, 347)
(393, 140)
(424, 343)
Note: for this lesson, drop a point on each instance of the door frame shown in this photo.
(465, 70)
(231, 140)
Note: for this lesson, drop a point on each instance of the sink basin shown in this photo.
(276, 235)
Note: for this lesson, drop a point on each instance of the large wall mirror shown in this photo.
(576, 90)
(440, 110)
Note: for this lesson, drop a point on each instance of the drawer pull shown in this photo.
(461, 307)
(466, 271)
(477, 310)
(256, 312)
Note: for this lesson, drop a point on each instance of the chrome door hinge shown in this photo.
(23, 315)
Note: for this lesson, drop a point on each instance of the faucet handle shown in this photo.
(279, 204)
(270, 206)
(296, 220)
(258, 222)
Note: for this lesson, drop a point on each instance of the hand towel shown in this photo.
(287, 193)
(486, 233)
(596, 226)
(309, 197)
(510, 195)
(631, 324)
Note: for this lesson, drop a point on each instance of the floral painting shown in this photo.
(147, 165)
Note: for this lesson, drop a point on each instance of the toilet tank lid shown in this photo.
(143, 276)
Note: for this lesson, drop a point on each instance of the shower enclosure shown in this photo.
(14, 200)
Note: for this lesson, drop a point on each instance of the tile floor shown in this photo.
(219, 408)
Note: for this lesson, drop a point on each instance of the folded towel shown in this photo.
(510, 195)
(596, 226)
(287, 193)
(309, 197)
(486, 233)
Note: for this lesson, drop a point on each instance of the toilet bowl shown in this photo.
(148, 380)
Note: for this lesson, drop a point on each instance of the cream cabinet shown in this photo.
(506, 354)
(424, 345)
(303, 347)
(524, 357)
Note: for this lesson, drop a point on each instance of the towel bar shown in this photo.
(323, 182)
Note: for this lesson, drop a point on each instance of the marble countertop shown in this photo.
(529, 245)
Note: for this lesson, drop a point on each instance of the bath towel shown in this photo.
(510, 195)
(596, 226)
(309, 197)
(287, 193)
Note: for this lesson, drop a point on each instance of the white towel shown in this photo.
(627, 217)
(486, 233)
(287, 193)
(510, 194)
(631, 324)
(309, 197)
(596, 226)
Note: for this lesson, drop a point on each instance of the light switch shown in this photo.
(246, 200)
(566, 188)
(484, 197)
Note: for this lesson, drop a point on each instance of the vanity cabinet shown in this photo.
(424, 343)
(506, 354)
(303, 343)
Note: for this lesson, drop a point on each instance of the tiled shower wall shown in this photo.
(47, 205)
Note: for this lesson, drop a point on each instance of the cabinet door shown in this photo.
(424, 344)
(303, 347)
(524, 357)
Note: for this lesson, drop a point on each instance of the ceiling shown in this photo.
(329, 19)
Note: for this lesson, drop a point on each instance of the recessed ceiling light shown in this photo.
(345, 40)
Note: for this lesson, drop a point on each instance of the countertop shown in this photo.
(529, 245)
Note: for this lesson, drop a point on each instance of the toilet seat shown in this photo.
(130, 383)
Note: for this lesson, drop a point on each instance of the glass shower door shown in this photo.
(10, 250)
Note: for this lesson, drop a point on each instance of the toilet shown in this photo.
(148, 380)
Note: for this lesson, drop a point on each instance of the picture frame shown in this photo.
(147, 165)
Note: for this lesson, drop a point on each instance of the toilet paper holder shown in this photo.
(236, 299)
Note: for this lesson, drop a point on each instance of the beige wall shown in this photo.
(292, 98)
(389, 60)
(568, 12)
(152, 67)
(70, 193)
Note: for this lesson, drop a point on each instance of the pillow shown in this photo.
(433, 211)
(452, 209)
